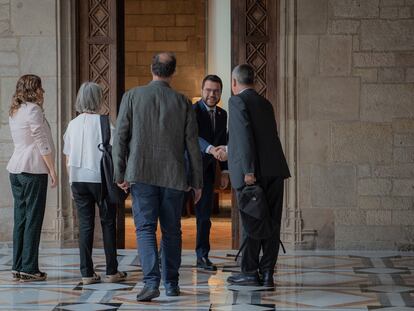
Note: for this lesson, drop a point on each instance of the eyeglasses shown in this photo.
(214, 91)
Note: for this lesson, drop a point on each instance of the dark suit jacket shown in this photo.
(155, 126)
(209, 137)
(254, 145)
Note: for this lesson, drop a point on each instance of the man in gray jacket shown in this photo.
(155, 126)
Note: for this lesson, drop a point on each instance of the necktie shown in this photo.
(212, 120)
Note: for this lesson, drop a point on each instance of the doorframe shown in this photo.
(120, 223)
(286, 102)
(114, 42)
(255, 40)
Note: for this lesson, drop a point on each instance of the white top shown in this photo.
(81, 141)
(32, 139)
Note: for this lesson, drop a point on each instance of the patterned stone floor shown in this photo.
(306, 280)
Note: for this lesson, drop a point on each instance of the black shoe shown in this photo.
(148, 293)
(267, 279)
(172, 291)
(205, 264)
(244, 279)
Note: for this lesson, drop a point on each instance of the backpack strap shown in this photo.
(244, 245)
(106, 135)
(105, 130)
(283, 247)
(241, 248)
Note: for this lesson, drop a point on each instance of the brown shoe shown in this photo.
(35, 277)
(115, 278)
(91, 280)
(15, 275)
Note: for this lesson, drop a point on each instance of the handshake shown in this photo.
(219, 152)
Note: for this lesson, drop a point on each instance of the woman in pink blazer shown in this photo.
(31, 163)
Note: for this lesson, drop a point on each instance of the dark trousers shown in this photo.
(273, 188)
(203, 212)
(150, 204)
(86, 196)
(29, 193)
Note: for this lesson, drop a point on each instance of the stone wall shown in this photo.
(355, 92)
(28, 44)
(157, 26)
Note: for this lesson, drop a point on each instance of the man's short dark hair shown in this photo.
(163, 64)
(244, 74)
(212, 78)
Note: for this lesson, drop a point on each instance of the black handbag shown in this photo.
(254, 211)
(255, 215)
(110, 192)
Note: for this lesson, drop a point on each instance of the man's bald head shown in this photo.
(163, 64)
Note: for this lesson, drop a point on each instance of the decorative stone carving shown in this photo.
(98, 51)
(256, 41)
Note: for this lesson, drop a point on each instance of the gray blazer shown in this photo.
(155, 126)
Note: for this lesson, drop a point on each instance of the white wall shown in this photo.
(219, 44)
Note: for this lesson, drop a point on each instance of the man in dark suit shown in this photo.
(255, 155)
(212, 132)
(155, 126)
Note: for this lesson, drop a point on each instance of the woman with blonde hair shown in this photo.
(31, 163)
(82, 138)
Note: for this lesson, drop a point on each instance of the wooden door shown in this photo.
(101, 57)
(255, 36)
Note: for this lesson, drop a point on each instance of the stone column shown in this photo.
(36, 37)
(292, 232)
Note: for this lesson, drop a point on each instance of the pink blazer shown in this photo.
(32, 138)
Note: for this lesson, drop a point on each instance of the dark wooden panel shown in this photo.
(101, 49)
(255, 35)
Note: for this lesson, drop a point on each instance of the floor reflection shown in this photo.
(305, 280)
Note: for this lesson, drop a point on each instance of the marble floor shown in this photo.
(306, 280)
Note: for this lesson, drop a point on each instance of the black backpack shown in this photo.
(110, 192)
(254, 212)
(255, 216)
